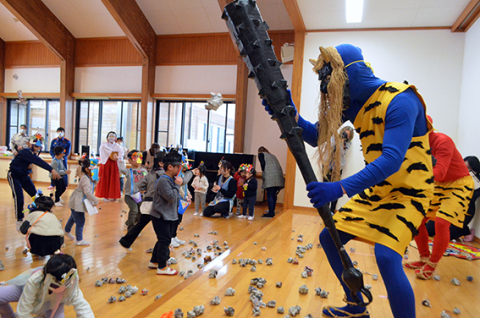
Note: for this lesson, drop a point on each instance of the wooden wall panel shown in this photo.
(106, 52)
(196, 49)
(29, 54)
(207, 49)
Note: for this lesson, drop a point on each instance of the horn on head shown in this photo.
(313, 62)
(325, 56)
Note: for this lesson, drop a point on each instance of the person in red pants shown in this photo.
(453, 191)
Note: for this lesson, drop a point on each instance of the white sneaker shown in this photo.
(196, 213)
(179, 241)
(68, 235)
(82, 243)
(174, 243)
(241, 216)
(58, 204)
(166, 271)
(201, 214)
(61, 200)
(17, 225)
(152, 265)
(250, 218)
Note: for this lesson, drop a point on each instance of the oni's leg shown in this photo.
(400, 292)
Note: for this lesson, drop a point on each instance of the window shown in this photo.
(95, 118)
(192, 126)
(40, 115)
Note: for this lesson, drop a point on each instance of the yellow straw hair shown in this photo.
(330, 113)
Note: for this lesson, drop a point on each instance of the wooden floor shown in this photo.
(105, 257)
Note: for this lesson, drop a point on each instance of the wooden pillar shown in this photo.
(138, 30)
(67, 84)
(241, 105)
(148, 87)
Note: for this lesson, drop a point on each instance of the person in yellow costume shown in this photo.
(390, 196)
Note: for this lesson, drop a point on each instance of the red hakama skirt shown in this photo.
(108, 186)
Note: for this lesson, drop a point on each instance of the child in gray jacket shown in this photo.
(147, 184)
(165, 212)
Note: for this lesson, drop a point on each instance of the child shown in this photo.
(44, 233)
(185, 196)
(84, 190)
(147, 184)
(44, 291)
(250, 193)
(133, 197)
(240, 177)
(18, 175)
(165, 212)
(200, 184)
(58, 165)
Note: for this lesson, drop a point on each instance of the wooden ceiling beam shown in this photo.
(36, 16)
(138, 30)
(468, 17)
(295, 15)
(134, 23)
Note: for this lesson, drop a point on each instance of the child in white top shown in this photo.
(43, 291)
(200, 184)
(43, 231)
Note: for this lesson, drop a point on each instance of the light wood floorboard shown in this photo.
(105, 257)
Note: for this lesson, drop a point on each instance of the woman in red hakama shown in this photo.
(108, 186)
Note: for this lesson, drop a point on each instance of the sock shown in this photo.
(442, 237)
(337, 266)
(422, 240)
(399, 290)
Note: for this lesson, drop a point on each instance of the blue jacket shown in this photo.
(19, 164)
(65, 143)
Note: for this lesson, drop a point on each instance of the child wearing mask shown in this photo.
(133, 197)
(249, 193)
(44, 291)
(147, 184)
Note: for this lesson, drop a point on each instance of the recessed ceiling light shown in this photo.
(354, 11)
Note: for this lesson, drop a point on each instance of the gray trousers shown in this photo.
(133, 213)
(200, 200)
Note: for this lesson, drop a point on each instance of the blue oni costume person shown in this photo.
(390, 196)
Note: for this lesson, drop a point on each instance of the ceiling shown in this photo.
(90, 18)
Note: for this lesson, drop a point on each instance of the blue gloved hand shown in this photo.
(321, 193)
(270, 111)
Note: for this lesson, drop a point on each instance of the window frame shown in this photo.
(206, 131)
(47, 139)
(100, 119)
